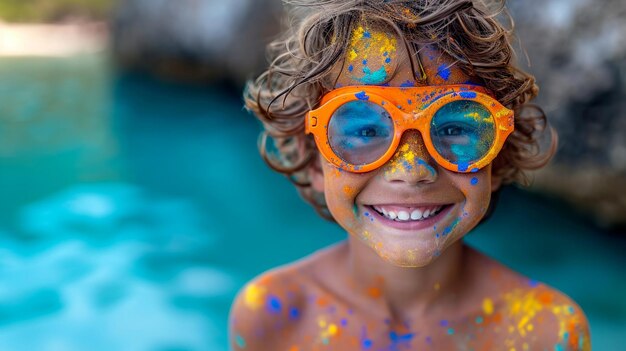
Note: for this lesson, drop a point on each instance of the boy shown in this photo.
(398, 119)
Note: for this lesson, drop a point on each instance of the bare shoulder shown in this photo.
(267, 311)
(529, 314)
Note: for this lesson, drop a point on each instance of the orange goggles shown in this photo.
(358, 128)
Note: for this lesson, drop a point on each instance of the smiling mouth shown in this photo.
(408, 214)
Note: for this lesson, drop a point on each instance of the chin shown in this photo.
(409, 258)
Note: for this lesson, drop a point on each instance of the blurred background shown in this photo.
(134, 205)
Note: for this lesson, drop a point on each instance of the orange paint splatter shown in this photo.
(374, 292)
(322, 302)
(348, 191)
(545, 298)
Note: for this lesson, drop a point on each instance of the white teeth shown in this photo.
(416, 214)
(403, 215)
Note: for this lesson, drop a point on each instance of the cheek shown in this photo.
(340, 191)
(477, 190)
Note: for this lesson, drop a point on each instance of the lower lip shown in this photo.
(410, 225)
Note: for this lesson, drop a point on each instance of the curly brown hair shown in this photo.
(302, 60)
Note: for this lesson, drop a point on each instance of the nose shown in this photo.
(411, 162)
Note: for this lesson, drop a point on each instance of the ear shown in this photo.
(316, 174)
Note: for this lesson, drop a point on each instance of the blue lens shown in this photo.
(360, 132)
(462, 132)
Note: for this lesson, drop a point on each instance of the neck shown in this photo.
(401, 289)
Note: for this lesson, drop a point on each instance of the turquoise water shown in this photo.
(133, 209)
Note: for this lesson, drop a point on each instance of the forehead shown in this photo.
(377, 56)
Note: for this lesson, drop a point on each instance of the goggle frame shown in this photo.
(409, 108)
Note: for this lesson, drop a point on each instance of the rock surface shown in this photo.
(577, 51)
(199, 40)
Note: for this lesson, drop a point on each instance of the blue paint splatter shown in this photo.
(428, 166)
(407, 84)
(470, 82)
(376, 77)
(241, 342)
(294, 313)
(367, 34)
(362, 96)
(388, 59)
(366, 343)
(468, 94)
(449, 228)
(273, 304)
(474, 181)
(344, 322)
(533, 283)
(462, 166)
(474, 170)
(364, 62)
(410, 102)
(443, 323)
(444, 72)
(350, 68)
(398, 340)
(407, 165)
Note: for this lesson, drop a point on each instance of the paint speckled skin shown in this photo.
(392, 289)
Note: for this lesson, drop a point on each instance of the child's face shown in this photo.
(410, 183)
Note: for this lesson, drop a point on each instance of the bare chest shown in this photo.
(345, 329)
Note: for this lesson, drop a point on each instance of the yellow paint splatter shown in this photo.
(327, 330)
(254, 296)
(401, 160)
(332, 329)
(487, 306)
(357, 35)
(362, 40)
(352, 55)
(482, 118)
(523, 307)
